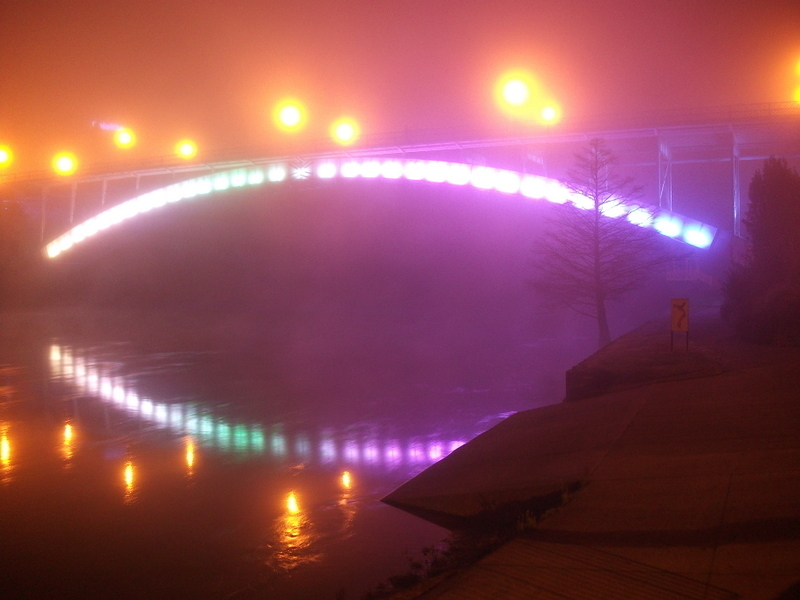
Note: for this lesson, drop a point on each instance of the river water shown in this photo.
(164, 469)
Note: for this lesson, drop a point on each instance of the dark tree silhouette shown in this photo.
(762, 294)
(591, 252)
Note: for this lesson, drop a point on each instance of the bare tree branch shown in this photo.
(591, 253)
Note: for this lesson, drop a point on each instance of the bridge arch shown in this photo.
(502, 181)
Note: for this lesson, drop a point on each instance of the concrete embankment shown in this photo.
(689, 464)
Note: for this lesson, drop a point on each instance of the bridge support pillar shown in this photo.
(664, 175)
(737, 192)
(44, 211)
(72, 194)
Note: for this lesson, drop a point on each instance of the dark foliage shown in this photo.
(762, 295)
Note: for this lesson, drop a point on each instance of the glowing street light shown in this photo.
(124, 138)
(521, 97)
(289, 115)
(516, 92)
(186, 149)
(6, 156)
(345, 131)
(550, 114)
(65, 163)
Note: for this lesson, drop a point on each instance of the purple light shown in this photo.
(641, 217)
(416, 453)
(458, 174)
(370, 169)
(508, 182)
(480, 177)
(555, 192)
(351, 169)
(613, 208)
(435, 451)
(371, 453)
(414, 170)
(436, 172)
(351, 452)
(698, 236)
(393, 453)
(456, 445)
(669, 226)
(483, 178)
(532, 186)
(392, 169)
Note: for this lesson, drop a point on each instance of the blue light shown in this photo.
(669, 226)
(698, 236)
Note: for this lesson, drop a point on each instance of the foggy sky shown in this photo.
(212, 69)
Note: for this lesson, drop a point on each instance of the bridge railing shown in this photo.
(411, 141)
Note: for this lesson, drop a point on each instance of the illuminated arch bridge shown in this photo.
(501, 181)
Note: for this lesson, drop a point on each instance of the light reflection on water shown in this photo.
(199, 422)
(321, 468)
(128, 477)
(67, 447)
(281, 498)
(5, 454)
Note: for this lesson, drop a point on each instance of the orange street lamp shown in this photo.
(124, 138)
(186, 149)
(6, 156)
(550, 114)
(517, 93)
(345, 131)
(65, 163)
(289, 115)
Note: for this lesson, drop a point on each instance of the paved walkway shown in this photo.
(692, 487)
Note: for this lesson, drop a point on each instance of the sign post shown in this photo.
(679, 320)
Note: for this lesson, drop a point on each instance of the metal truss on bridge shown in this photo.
(654, 147)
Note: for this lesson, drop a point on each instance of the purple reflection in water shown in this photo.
(79, 369)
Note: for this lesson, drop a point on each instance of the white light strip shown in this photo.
(504, 181)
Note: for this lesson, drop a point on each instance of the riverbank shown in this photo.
(688, 464)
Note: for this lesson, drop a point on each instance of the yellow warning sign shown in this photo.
(680, 314)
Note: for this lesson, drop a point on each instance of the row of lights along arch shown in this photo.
(673, 225)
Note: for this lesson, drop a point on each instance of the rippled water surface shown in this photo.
(144, 473)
